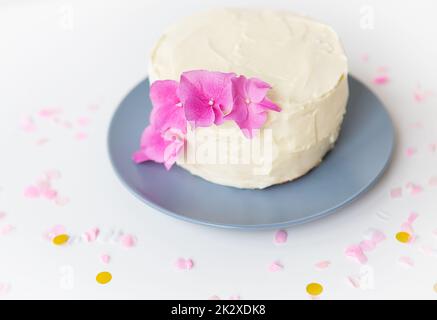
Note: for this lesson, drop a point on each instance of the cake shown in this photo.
(301, 59)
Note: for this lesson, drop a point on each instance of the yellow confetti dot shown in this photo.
(403, 236)
(435, 287)
(103, 277)
(314, 289)
(60, 239)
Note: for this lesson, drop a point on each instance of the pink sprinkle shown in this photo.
(61, 200)
(406, 261)
(415, 189)
(49, 112)
(91, 235)
(49, 194)
(281, 236)
(355, 251)
(276, 266)
(184, 264)
(81, 136)
(6, 229)
(83, 121)
(31, 192)
(433, 181)
(410, 151)
(128, 241)
(396, 193)
(323, 264)
(27, 124)
(105, 258)
(380, 80)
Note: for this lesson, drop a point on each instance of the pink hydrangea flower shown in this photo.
(206, 96)
(163, 140)
(250, 104)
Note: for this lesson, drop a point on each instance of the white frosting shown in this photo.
(304, 62)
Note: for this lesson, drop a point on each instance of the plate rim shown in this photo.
(264, 226)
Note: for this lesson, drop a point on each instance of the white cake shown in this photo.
(301, 59)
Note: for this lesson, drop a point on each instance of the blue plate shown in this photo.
(359, 158)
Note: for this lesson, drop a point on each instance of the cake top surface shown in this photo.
(301, 58)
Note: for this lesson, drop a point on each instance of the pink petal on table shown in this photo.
(356, 252)
(276, 266)
(281, 236)
(105, 258)
(433, 181)
(380, 80)
(396, 193)
(410, 151)
(323, 264)
(81, 136)
(32, 192)
(127, 240)
(406, 261)
(6, 229)
(91, 235)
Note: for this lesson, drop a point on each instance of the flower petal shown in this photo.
(256, 89)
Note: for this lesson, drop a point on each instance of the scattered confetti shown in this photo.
(281, 236)
(323, 264)
(49, 112)
(403, 237)
(31, 192)
(420, 95)
(406, 262)
(380, 80)
(105, 258)
(128, 240)
(184, 264)
(410, 151)
(60, 239)
(103, 277)
(415, 189)
(355, 251)
(6, 229)
(43, 188)
(91, 235)
(314, 289)
(276, 266)
(372, 238)
(27, 124)
(396, 193)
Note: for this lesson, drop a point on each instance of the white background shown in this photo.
(77, 54)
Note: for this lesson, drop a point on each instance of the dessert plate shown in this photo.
(361, 155)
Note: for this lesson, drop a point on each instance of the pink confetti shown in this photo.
(354, 281)
(49, 112)
(323, 264)
(52, 174)
(184, 264)
(2, 215)
(83, 121)
(5, 288)
(91, 235)
(356, 252)
(380, 80)
(127, 240)
(31, 192)
(281, 236)
(376, 236)
(49, 193)
(6, 229)
(81, 136)
(276, 266)
(214, 297)
(105, 258)
(27, 124)
(410, 151)
(415, 189)
(407, 226)
(420, 95)
(406, 261)
(396, 193)
(433, 181)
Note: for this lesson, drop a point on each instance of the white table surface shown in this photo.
(82, 57)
